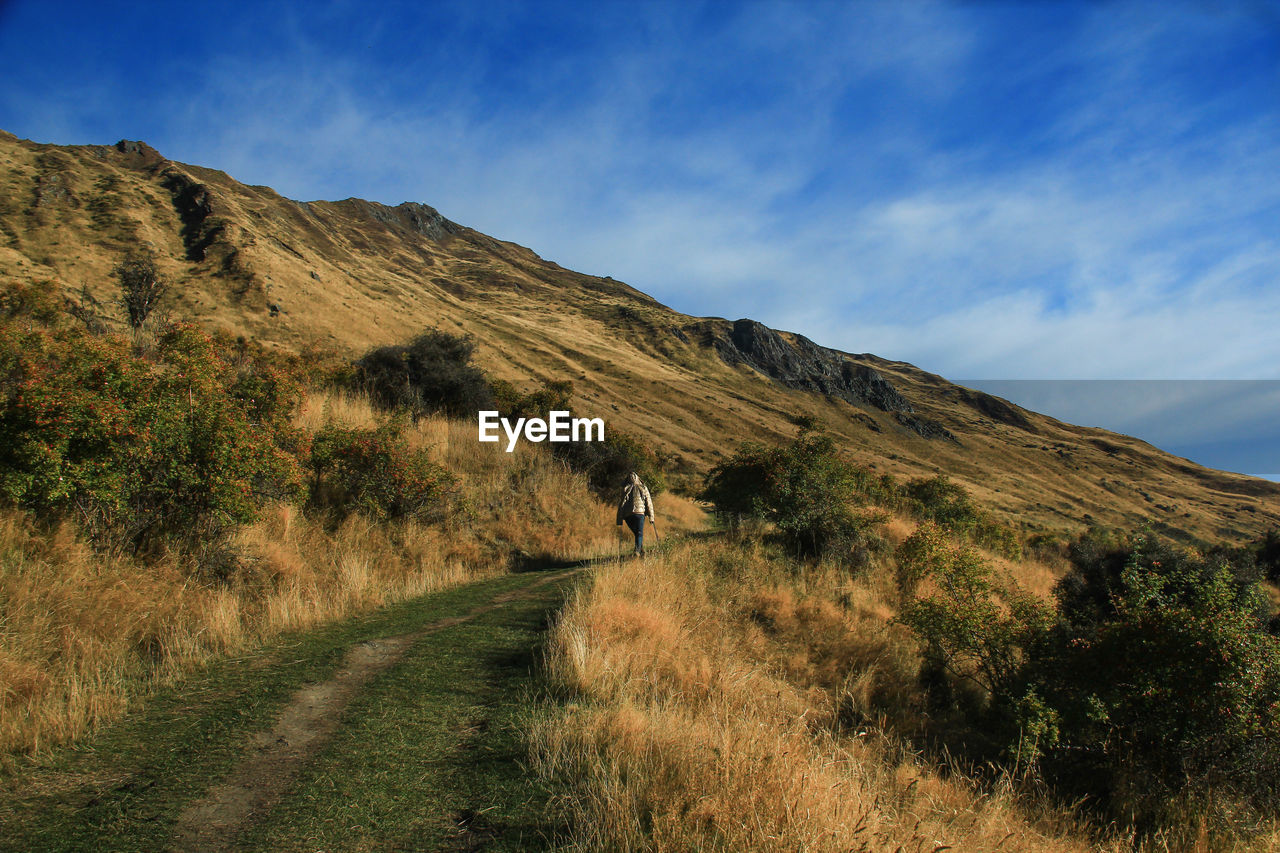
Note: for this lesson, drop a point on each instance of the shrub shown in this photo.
(604, 463)
(1047, 547)
(374, 472)
(179, 444)
(923, 554)
(39, 302)
(1091, 594)
(553, 395)
(1268, 555)
(432, 373)
(880, 489)
(977, 631)
(607, 463)
(141, 287)
(942, 501)
(806, 489)
(948, 504)
(1164, 677)
(1154, 683)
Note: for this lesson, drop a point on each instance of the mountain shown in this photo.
(353, 274)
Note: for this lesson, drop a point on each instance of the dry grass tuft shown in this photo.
(1032, 576)
(678, 514)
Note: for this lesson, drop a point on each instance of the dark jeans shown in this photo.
(636, 522)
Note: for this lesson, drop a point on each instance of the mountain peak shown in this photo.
(139, 153)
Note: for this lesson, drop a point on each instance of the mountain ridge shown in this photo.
(353, 274)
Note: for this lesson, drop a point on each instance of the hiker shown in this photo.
(636, 503)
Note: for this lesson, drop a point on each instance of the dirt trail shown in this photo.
(275, 758)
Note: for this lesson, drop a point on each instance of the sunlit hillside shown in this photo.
(352, 274)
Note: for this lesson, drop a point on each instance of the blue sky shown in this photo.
(1030, 190)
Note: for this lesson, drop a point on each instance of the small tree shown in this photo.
(806, 489)
(431, 373)
(141, 287)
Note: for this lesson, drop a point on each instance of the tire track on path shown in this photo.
(276, 757)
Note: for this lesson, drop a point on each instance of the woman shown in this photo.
(635, 505)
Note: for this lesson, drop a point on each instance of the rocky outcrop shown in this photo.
(804, 365)
(808, 366)
(194, 205)
(996, 409)
(53, 189)
(55, 184)
(426, 220)
(138, 155)
(924, 427)
(409, 216)
(211, 236)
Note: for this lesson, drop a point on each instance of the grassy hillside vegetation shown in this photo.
(1152, 687)
(367, 280)
(823, 505)
(716, 698)
(921, 682)
(171, 496)
(934, 620)
(433, 374)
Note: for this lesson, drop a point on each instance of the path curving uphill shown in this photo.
(394, 731)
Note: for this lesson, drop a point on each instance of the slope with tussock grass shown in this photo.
(716, 699)
(85, 631)
(353, 275)
(929, 682)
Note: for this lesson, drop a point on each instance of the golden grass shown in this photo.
(340, 408)
(82, 633)
(678, 515)
(721, 704)
(1030, 575)
(717, 697)
(345, 286)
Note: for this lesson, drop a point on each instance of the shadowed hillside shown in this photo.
(353, 274)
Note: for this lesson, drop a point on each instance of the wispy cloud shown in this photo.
(983, 189)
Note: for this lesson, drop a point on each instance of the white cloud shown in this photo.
(1129, 242)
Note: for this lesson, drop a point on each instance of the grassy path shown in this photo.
(396, 731)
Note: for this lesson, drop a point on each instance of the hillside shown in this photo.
(352, 274)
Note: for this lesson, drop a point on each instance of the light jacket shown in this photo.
(635, 499)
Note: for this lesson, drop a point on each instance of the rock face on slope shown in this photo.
(411, 216)
(810, 367)
(805, 365)
(996, 409)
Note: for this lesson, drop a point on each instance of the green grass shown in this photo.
(429, 749)
(429, 756)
